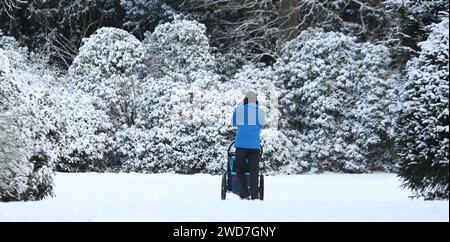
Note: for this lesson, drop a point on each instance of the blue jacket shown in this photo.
(249, 119)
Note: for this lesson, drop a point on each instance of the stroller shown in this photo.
(230, 180)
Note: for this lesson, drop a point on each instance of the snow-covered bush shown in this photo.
(176, 106)
(229, 63)
(106, 76)
(85, 133)
(146, 146)
(336, 96)
(26, 150)
(176, 127)
(423, 126)
(109, 66)
(180, 46)
(13, 152)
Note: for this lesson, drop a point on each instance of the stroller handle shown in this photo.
(232, 143)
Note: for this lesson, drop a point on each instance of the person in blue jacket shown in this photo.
(249, 120)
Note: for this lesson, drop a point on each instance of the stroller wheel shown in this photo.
(261, 187)
(224, 187)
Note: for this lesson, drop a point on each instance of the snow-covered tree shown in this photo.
(409, 20)
(366, 19)
(335, 95)
(26, 152)
(107, 76)
(57, 26)
(180, 46)
(66, 128)
(252, 27)
(144, 15)
(109, 66)
(229, 63)
(423, 126)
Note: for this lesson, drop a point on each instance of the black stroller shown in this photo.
(230, 181)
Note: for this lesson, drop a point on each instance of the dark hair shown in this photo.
(246, 101)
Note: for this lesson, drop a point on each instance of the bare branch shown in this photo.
(11, 5)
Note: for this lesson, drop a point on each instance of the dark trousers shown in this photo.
(253, 157)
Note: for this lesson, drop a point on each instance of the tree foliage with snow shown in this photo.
(409, 21)
(143, 15)
(336, 96)
(85, 133)
(180, 59)
(423, 126)
(109, 66)
(106, 75)
(180, 46)
(173, 131)
(26, 152)
(366, 19)
(58, 26)
(251, 25)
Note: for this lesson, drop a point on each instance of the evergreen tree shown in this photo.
(409, 20)
(336, 96)
(423, 139)
(144, 15)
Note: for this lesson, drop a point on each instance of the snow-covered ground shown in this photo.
(170, 197)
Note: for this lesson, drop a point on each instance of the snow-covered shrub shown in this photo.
(67, 129)
(106, 76)
(424, 124)
(145, 146)
(4, 65)
(176, 106)
(176, 127)
(15, 168)
(180, 46)
(336, 96)
(26, 150)
(13, 153)
(229, 63)
(85, 133)
(109, 66)
(201, 121)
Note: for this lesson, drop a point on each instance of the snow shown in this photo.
(171, 197)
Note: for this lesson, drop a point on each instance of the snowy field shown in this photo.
(170, 197)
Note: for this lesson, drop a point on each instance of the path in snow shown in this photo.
(170, 197)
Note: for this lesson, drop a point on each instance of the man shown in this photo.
(249, 120)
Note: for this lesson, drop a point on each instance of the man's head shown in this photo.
(250, 97)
